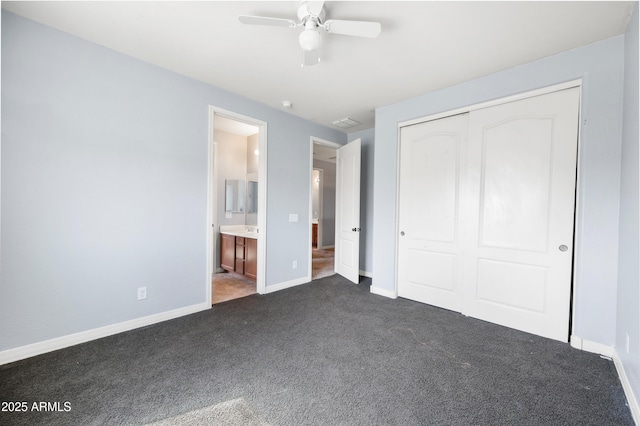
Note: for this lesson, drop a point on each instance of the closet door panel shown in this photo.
(430, 257)
(522, 176)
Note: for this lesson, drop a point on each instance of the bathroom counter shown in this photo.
(240, 231)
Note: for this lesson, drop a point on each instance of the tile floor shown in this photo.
(227, 286)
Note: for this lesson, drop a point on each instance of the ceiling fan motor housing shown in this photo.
(304, 13)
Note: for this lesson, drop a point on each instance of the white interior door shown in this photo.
(522, 177)
(347, 248)
(432, 155)
(489, 221)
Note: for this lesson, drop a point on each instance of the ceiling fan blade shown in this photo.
(264, 20)
(353, 28)
(310, 57)
(315, 7)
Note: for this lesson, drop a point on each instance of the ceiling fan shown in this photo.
(311, 16)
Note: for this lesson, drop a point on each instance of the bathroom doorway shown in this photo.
(323, 208)
(236, 237)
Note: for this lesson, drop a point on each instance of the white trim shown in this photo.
(396, 218)
(287, 284)
(593, 347)
(39, 348)
(262, 209)
(211, 215)
(612, 353)
(320, 191)
(634, 405)
(500, 101)
(366, 274)
(384, 292)
(262, 188)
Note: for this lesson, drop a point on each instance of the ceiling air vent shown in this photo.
(345, 123)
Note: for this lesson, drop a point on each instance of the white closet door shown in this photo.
(521, 192)
(430, 255)
(486, 212)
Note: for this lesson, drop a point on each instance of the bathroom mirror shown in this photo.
(234, 195)
(252, 199)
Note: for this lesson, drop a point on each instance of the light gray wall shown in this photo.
(104, 185)
(628, 273)
(366, 198)
(328, 202)
(596, 252)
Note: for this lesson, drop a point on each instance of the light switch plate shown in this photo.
(293, 217)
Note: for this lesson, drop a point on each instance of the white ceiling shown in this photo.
(225, 124)
(424, 45)
(324, 153)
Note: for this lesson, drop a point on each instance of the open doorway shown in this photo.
(323, 207)
(236, 206)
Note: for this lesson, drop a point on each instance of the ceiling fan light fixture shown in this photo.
(311, 16)
(310, 39)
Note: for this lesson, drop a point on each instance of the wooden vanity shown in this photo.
(239, 253)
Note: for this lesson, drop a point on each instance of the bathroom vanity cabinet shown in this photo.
(228, 252)
(250, 257)
(314, 235)
(239, 254)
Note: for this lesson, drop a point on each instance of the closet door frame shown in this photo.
(467, 109)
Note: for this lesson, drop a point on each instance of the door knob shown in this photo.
(355, 229)
(563, 248)
(402, 233)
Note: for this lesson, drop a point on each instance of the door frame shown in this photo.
(320, 189)
(335, 145)
(212, 227)
(467, 109)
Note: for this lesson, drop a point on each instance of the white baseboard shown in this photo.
(594, 347)
(610, 352)
(366, 274)
(287, 284)
(634, 405)
(39, 348)
(382, 292)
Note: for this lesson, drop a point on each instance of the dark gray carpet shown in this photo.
(325, 353)
(228, 413)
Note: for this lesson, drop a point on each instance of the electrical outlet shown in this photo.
(142, 293)
(295, 264)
